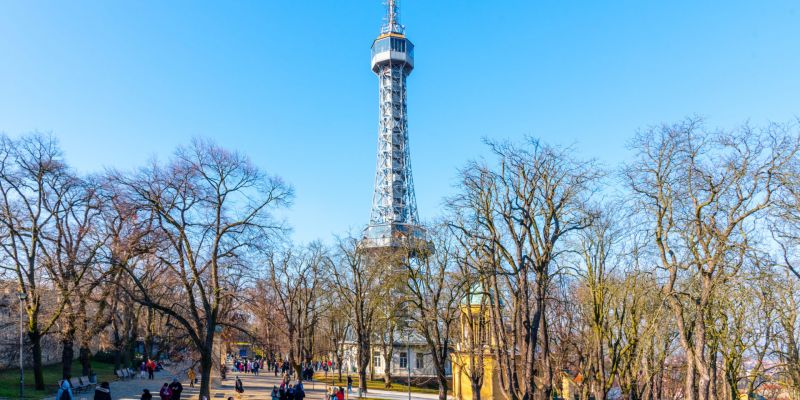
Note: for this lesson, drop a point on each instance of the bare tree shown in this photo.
(523, 207)
(434, 291)
(357, 282)
(209, 206)
(295, 280)
(701, 193)
(604, 301)
(337, 327)
(29, 168)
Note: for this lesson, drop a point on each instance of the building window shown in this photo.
(403, 360)
(376, 360)
(420, 360)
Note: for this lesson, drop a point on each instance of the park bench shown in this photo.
(121, 374)
(77, 385)
(131, 373)
(88, 383)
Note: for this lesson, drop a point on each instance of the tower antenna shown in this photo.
(392, 18)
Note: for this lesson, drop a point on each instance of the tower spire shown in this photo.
(392, 24)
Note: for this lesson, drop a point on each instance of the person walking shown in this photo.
(142, 370)
(239, 387)
(151, 369)
(176, 389)
(275, 395)
(190, 374)
(65, 390)
(299, 390)
(166, 392)
(291, 393)
(146, 395)
(102, 392)
(349, 384)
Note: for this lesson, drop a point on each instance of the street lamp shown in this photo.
(408, 355)
(22, 298)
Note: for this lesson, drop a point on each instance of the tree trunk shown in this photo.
(387, 363)
(476, 389)
(127, 354)
(67, 355)
(117, 358)
(36, 344)
(689, 382)
(713, 391)
(85, 356)
(206, 364)
(443, 387)
(362, 379)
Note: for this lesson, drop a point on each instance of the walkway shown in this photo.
(255, 388)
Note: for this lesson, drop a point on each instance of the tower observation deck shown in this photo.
(394, 222)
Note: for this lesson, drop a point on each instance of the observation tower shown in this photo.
(394, 222)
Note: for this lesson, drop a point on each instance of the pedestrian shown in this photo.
(340, 394)
(151, 369)
(102, 392)
(239, 387)
(275, 394)
(191, 376)
(166, 392)
(65, 390)
(290, 394)
(142, 370)
(146, 395)
(349, 384)
(176, 389)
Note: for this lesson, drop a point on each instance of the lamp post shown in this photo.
(22, 298)
(408, 355)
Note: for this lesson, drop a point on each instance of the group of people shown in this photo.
(336, 394)
(149, 367)
(101, 391)
(288, 392)
(170, 391)
(248, 366)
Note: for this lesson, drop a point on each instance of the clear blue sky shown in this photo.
(288, 82)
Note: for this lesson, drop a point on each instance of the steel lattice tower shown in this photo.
(394, 221)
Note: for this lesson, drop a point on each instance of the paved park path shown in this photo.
(255, 387)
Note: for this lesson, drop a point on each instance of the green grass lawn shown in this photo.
(371, 384)
(9, 379)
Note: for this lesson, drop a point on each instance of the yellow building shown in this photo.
(472, 357)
